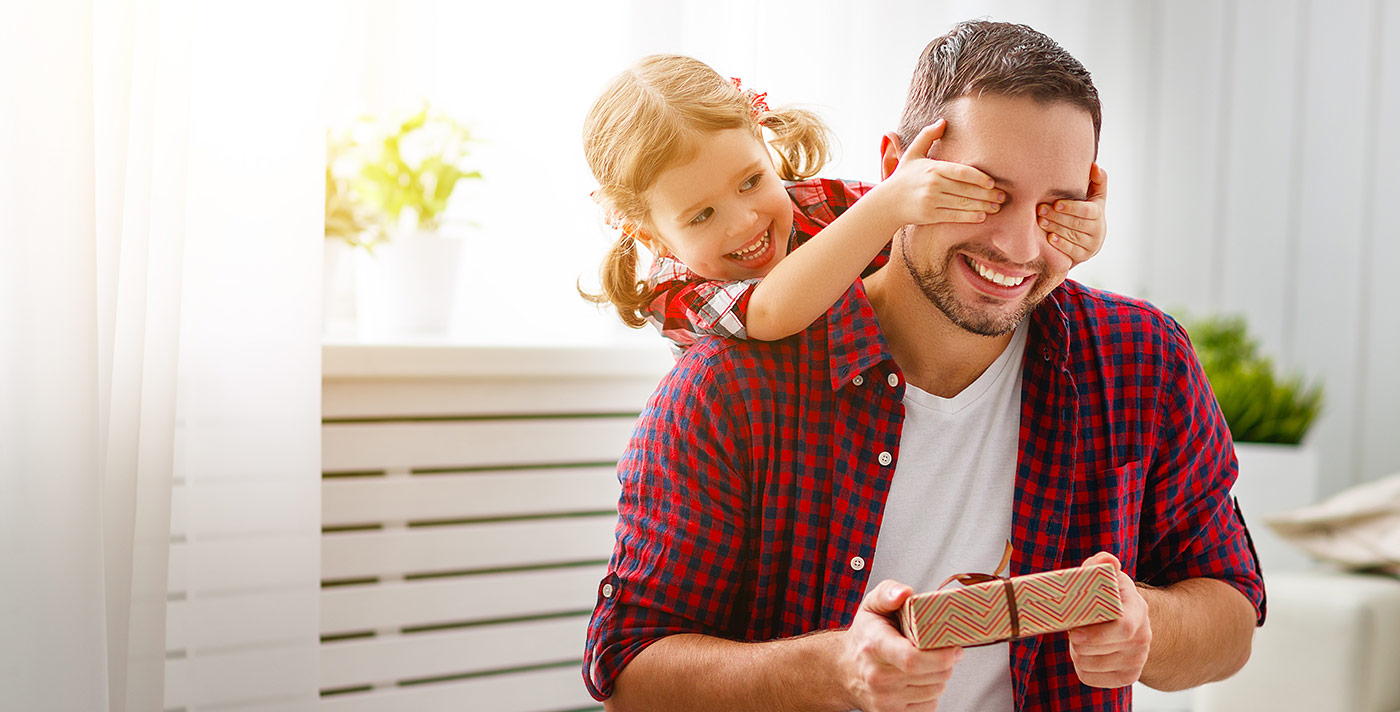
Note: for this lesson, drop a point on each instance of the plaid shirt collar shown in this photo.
(856, 342)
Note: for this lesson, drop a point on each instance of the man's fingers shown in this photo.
(1123, 662)
(929, 665)
(1103, 557)
(886, 597)
(894, 651)
(1094, 649)
(1100, 637)
(919, 148)
(925, 693)
(1106, 662)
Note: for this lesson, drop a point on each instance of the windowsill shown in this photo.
(347, 361)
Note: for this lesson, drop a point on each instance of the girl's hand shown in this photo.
(924, 191)
(1077, 227)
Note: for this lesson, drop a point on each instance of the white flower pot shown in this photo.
(406, 289)
(338, 322)
(1274, 479)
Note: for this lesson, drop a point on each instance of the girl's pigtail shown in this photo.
(800, 140)
(618, 276)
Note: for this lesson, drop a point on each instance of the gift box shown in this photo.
(1008, 609)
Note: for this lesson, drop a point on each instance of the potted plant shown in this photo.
(388, 187)
(349, 220)
(1269, 415)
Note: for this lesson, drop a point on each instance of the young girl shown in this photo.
(683, 169)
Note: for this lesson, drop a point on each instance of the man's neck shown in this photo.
(935, 354)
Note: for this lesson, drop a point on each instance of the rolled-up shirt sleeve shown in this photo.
(1197, 532)
(678, 556)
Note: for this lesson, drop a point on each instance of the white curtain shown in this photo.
(160, 220)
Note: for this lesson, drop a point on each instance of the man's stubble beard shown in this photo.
(937, 285)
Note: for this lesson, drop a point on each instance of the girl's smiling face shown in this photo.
(725, 214)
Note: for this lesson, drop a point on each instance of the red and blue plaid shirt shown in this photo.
(759, 470)
(685, 306)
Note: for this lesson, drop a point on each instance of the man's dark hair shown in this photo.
(979, 57)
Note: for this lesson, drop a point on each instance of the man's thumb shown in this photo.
(886, 597)
(1103, 557)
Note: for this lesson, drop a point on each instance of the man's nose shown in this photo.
(1016, 234)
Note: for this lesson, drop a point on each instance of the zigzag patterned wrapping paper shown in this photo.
(1046, 603)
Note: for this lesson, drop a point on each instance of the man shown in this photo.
(963, 395)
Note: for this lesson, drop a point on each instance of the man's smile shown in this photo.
(998, 281)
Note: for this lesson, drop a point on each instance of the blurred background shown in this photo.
(246, 464)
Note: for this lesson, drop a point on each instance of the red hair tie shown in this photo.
(758, 103)
(614, 220)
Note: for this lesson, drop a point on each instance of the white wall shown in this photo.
(1250, 168)
(1271, 180)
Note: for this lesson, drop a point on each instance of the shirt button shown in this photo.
(1045, 351)
(885, 458)
(859, 379)
(607, 590)
(893, 379)
(857, 563)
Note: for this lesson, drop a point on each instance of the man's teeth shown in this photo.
(751, 250)
(993, 276)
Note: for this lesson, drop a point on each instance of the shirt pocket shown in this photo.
(1110, 512)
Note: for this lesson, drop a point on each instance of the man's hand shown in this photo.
(881, 670)
(1112, 654)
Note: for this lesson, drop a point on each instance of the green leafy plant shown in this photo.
(348, 218)
(381, 180)
(1260, 405)
(417, 167)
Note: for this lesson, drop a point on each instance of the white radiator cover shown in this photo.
(468, 505)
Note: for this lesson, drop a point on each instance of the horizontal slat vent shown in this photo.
(459, 599)
(351, 501)
(557, 687)
(437, 654)
(387, 399)
(466, 524)
(438, 445)
(465, 549)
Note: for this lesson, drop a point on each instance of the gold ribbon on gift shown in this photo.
(969, 579)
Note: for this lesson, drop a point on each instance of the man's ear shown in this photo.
(890, 153)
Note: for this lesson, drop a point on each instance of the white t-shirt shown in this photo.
(949, 507)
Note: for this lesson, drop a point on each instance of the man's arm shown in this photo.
(869, 666)
(698, 672)
(1202, 631)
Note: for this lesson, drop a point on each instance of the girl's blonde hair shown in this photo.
(653, 117)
